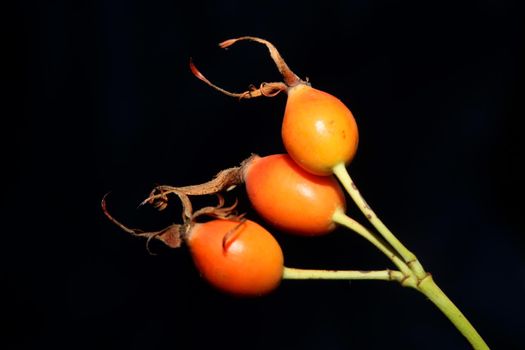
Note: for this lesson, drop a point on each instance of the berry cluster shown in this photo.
(298, 192)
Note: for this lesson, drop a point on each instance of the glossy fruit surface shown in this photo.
(242, 259)
(318, 130)
(290, 198)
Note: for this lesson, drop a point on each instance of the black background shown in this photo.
(101, 99)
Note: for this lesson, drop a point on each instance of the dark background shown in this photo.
(101, 99)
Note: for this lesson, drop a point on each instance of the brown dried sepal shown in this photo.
(224, 181)
(265, 89)
(174, 234)
(219, 211)
(289, 77)
(171, 235)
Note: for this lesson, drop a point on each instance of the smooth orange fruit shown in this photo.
(290, 198)
(318, 130)
(240, 258)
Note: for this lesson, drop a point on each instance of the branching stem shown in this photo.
(416, 276)
(342, 219)
(410, 258)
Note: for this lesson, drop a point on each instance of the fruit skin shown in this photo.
(248, 263)
(290, 198)
(318, 130)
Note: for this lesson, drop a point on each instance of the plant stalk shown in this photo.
(431, 290)
(424, 281)
(342, 219)
(410, 258)
(303, 274)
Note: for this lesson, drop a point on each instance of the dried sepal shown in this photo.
(158, 197)
(290, 78)
(265, 89)
(225, 180)
(219, 211)
(171, 235)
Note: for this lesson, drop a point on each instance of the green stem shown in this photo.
(427, 286)
(424, 281)
(410, 258)
(302, 274)
(342, 219)
(430, 289)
